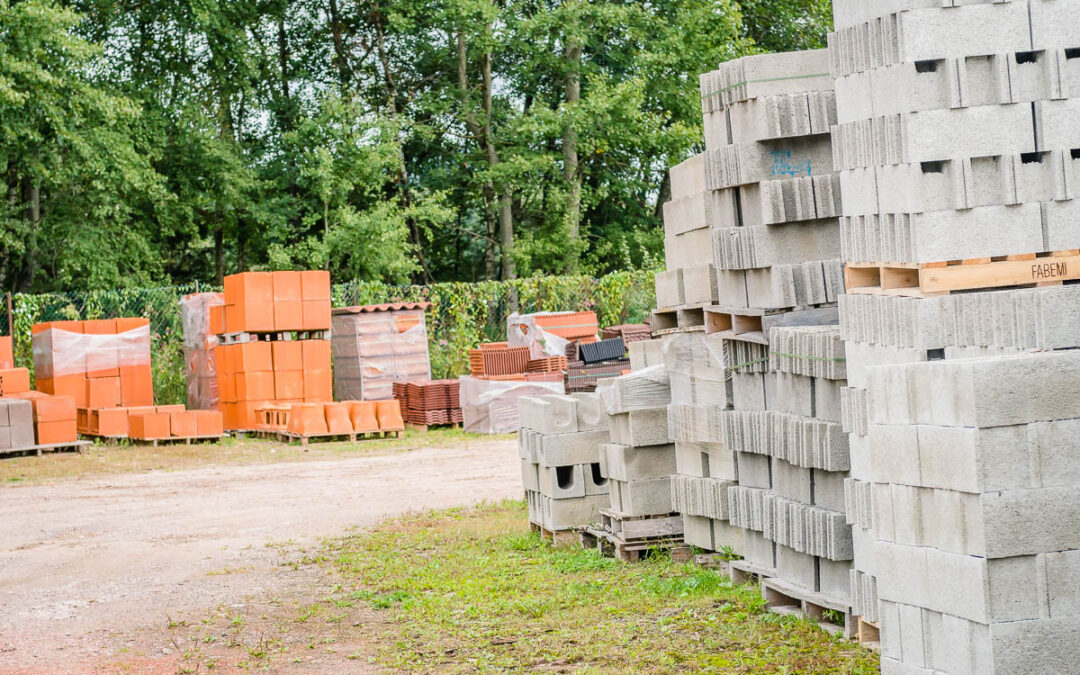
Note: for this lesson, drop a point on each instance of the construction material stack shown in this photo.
(375, 346)
(200, 369)
(559, 444)
(754, 432)
(639, 460)
(274, 347)
(793, 461)
(427, 403)
(705, 465)
(89, 366)
(956, 142)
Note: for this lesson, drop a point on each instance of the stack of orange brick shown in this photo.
(263, 364)
(103, 363)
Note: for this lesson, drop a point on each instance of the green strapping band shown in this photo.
(809, 358)
(748, 363)
(764, 79)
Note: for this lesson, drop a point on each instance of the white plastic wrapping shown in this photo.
(374, 349)
(58, 352)
(522, 331)
(639, 390)
(200, 365)
(491, 406)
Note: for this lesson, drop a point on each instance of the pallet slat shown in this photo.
(929, 279)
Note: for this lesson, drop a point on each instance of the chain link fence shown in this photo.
(462, 315)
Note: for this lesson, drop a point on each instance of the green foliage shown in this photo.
(162, 142)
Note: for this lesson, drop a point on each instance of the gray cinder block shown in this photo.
(625, 463)
(577, 448)
(640, 428)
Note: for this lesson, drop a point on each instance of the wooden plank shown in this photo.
(654, 527)
(998, 274)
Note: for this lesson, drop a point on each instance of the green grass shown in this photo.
(472, 590)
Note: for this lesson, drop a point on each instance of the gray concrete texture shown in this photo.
(705, 497)
(813, 351)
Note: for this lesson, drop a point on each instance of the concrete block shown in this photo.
(834, 579)
(769, 245)
(749, 390)
(792, 482)
(562, 482)
(758, 550)
(669, 288)
(641, 498)
(591, 415)
(829, 489)
(688, 177)
(595, 481)
(755, 471)
(639, 428)
(530, 476)
(577, 448)
(697, 531)
(796, 568)
(743, 163)
(700, 496)
(700, 284)
(624, 463)
(564, 514)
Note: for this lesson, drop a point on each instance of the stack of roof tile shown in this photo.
(629, 332)
(376, 346)
(611, 349)
(429, 402)
(496, 359)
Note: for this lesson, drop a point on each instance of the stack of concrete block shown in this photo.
(704, 466)
(559, 444)
(954, 120)
(769, 182)
(975, 504)
(793, 460)
(953, 143)
(639, 459)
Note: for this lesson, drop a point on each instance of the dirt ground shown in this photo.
(95, 572)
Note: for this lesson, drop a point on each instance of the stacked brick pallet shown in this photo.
(793, 461)
(761, 456)
(429, 402)
(638, 461)
(83, 367)
(763, 197)
(200, 366)
(956, 142)
(274, 349)
(560, 448)
(705, 467)
(376, 346)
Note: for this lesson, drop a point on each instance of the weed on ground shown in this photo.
(472, 589)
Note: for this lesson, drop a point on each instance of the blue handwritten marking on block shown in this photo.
(783, 166)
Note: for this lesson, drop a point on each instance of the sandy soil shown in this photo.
(86, 567)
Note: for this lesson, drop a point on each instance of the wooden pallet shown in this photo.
(352, 437)
(611, 545)
(641, 527)
(186, 440)
(38, 450)
(555, 537)
(424, 427)
(272, 336)
(753, 325)
(784, 598)
(922, 280)
(746, 572)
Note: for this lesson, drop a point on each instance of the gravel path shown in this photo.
(84, 565)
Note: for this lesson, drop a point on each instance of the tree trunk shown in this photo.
(403, 172)
(341, 57)
(506, 207)
(283, 57)
(477, 132)
(662, 196)
(572, 56)
(32, 199)
(219, 253)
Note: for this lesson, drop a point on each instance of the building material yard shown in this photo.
(253, 562)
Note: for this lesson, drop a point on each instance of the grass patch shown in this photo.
(104, 459)
(468, 589)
